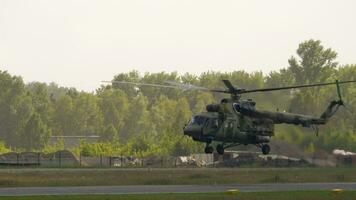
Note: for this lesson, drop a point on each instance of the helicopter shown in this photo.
(236, 121)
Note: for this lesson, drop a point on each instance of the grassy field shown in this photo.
(96, 177)
(304, 195)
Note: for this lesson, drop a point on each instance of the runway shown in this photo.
(146, 189)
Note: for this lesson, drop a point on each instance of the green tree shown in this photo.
(278, 100)
(88, 119)
(130, 90)
(141, 146)
(163, 114)
(114, 106)
(110, 134)
(35, 134)
(316, 64)
(15, 108)
(310, 148)
(138, 119)
(202, 99)
(3, 148)
(183, 114)
(40, 100)
(63, 116)
(154, 93)
(186, 146)
(51, 148)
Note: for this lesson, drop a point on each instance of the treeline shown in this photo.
(147, 120)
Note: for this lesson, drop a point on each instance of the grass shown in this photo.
(105, 177)
(300, 195)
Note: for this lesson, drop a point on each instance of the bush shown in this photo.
(3, 148)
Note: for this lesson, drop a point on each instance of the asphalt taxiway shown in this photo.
(142, 189)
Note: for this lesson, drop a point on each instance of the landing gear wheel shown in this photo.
(209, 149)
(220, 149)
(265, 149)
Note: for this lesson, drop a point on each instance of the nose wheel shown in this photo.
(220, 149)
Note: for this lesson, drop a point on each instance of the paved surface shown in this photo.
(171, 188)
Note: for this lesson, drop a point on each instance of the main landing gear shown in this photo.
(265, 149)
(209, 149)
(219, 148)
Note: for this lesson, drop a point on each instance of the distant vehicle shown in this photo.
(234, 121)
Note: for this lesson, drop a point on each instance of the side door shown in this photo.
(229, 128)
(210, 127)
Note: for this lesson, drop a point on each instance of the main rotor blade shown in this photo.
(173, 85)
(294, 87)
(229, 85)
(185, 86)
(141, 84)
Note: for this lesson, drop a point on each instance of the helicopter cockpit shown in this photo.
(197, 120)
(200, 125)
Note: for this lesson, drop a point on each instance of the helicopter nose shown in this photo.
(192, 130)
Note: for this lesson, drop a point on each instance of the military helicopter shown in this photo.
(235, 121)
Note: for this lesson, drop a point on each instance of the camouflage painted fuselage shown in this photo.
(240, 122)
(228, 125)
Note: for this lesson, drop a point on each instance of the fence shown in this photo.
(67, 159)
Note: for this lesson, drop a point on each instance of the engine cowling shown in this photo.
(213, 108)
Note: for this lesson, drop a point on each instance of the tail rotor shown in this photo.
(347, 106)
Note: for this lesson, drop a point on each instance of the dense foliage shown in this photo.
(146, 120)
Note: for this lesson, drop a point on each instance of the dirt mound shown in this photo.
(284, 148)
(10, 157)
(278, 147)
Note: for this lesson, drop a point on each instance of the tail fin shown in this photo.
(333, 106)
(331, 110)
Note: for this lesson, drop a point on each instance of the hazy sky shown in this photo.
(81, 42)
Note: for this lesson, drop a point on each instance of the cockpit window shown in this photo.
(199, 120)
(237, 107)
(213, 123)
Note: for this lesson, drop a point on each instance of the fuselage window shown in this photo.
(236, 107)
(231, 125)
(199, 120)
(213, 123)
